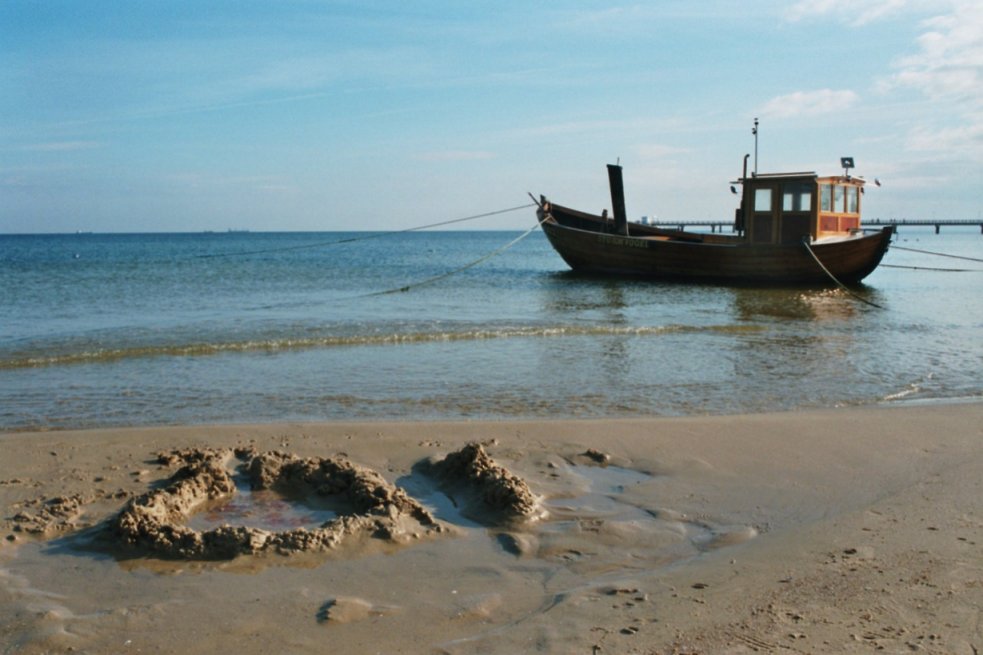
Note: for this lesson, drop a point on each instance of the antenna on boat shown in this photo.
(847, 164)
(754, 131)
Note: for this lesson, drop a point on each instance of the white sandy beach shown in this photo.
(835, 531)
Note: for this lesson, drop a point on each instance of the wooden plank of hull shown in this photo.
(850, 260)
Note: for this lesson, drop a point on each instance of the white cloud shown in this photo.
(455, 155)
(277, 188)
(62, 146)
(809, 103)
(604, 128)
(658, 151)
(947, 69)
(950, 57)
(966, 139)
(15, 182)
(205, 181)
(847, 11)
(618, 20)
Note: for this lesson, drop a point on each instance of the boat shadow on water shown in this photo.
(575, 290)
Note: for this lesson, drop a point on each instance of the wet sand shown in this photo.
(847, 530)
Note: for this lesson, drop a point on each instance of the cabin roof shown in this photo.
(761, 176)
(843, 179)
(811, 175)
(775, 176)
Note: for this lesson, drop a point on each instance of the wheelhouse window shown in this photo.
(797, 197)
(838, 198)
(762, 200)
(852, 203)
(826, 197)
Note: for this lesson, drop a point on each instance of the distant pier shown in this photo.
(877, 222)
(916, 222)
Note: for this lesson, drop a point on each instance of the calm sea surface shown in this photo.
(148, 329)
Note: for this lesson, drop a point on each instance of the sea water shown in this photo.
(154, 329)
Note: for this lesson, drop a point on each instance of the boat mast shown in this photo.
(754, 131)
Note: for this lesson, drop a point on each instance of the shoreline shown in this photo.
(879, 404)
(834, 530)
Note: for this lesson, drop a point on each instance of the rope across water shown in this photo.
(376, 235)
(365, 237)
(916, 268)
(937, 254)
(833, 277)
(930, 268)
(462, 268)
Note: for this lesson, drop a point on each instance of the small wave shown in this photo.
(910, 390)
(334, 341)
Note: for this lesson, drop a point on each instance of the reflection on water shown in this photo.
(800, 304)
(576, 292)
(265, 509)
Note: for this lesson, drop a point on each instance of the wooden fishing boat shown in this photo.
(794, 228)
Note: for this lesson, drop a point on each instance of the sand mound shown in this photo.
(155, 520)
(58, 514)
(491, 486)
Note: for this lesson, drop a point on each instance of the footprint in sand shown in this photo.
(350, 610)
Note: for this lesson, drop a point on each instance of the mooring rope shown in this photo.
(929, 268)
(833, 277)
(481, 259)
(938, 254)
(365, 237)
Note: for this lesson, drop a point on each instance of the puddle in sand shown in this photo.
(267, 510)
(603, 506)
(604, 484)
(605, 500)
(611, 479)
(445, 506)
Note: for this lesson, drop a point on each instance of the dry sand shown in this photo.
(840, 531)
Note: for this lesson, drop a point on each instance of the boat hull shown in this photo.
(586, 243)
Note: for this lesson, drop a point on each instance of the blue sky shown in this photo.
(308, 115)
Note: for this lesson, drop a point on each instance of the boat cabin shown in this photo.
(783, 208)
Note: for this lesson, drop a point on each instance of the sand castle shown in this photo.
(155, 521)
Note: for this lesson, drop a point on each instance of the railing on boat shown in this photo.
(720, 226)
